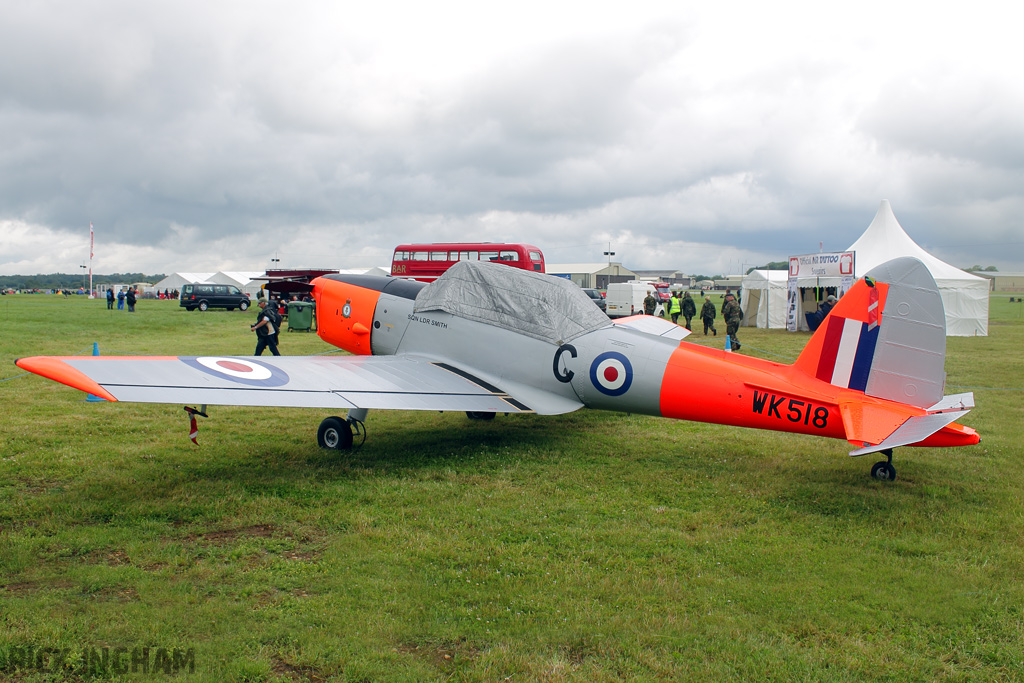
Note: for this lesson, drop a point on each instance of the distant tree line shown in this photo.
(986, 269)
(771, 265)
(72, 280)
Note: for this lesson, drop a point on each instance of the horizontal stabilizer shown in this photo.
(915, 429)
(954, 402)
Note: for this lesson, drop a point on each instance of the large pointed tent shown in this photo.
(964, 296)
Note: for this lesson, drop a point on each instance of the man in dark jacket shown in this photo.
(265, 330)
(650, 303)
(733, 314)
(707, 314)
(689, 310)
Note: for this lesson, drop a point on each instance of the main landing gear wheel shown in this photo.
(479, 415)
(334, 433)
(883, 469)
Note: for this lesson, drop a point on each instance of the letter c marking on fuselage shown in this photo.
(564, 377)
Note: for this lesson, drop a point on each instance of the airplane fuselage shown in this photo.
(613, 368)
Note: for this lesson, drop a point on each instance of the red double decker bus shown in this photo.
(426, 262)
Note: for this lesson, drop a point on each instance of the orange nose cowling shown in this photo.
(344, 314)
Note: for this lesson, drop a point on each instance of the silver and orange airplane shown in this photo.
(487, 339)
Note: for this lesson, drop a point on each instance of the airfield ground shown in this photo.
(586, 547)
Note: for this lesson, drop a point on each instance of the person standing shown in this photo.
(707, 314)
(674, 308)
(264, 329)
(733, 314)
(650, 303)
(689, 310)
(130, 300)
(830, 302)
(110, 299)
(120, 299)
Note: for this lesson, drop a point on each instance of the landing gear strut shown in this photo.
(338, 434)
(883, 469)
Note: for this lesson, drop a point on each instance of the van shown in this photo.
(213, 296)
(627, 298)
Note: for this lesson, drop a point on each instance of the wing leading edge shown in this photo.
(344, 382)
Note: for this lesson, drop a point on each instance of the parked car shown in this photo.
(213, 296)
(598, 299)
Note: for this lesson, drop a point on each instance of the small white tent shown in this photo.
(241, 279)
(964, 296)
(764, 299)
(176, 280)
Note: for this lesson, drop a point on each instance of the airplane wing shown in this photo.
(344, 382)
(652, 324)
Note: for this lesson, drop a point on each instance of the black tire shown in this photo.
(334, 434)
(883, 471)
(244, 306)
(203, 305)
(478, 415)
(190, 308)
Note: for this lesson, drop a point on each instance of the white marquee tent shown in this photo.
(242, 280)
(764, 299)
(964, 296)
(176, 280)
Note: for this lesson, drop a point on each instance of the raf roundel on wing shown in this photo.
(241, 370)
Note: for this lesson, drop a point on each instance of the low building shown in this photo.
(591, 275)
(1002, 282)
(672, 277)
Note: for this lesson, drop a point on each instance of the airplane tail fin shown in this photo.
(886, 337)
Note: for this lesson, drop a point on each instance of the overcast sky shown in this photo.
(204, 136)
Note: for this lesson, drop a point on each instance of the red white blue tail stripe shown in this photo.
(847, 353)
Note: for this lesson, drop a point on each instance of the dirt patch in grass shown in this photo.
(25, 587)
(228, 535)
(295, 672)
(442, 655)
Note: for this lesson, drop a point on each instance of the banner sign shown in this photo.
(809, 267)
(836, 264)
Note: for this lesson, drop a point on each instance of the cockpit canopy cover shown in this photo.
(541, 306)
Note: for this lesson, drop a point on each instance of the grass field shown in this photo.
(586, 547)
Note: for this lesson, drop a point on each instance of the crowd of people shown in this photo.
(126, 295)
(681, 304)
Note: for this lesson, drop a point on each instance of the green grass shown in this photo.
(585, 547)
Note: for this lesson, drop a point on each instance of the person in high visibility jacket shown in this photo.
(674, 308)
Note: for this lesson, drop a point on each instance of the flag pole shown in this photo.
(91, 294)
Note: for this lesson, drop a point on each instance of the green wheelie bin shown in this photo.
(300, 315)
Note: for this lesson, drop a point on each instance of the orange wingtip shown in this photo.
(55, 368)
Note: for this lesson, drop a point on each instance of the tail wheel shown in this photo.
(334, 433)
(883, 471)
